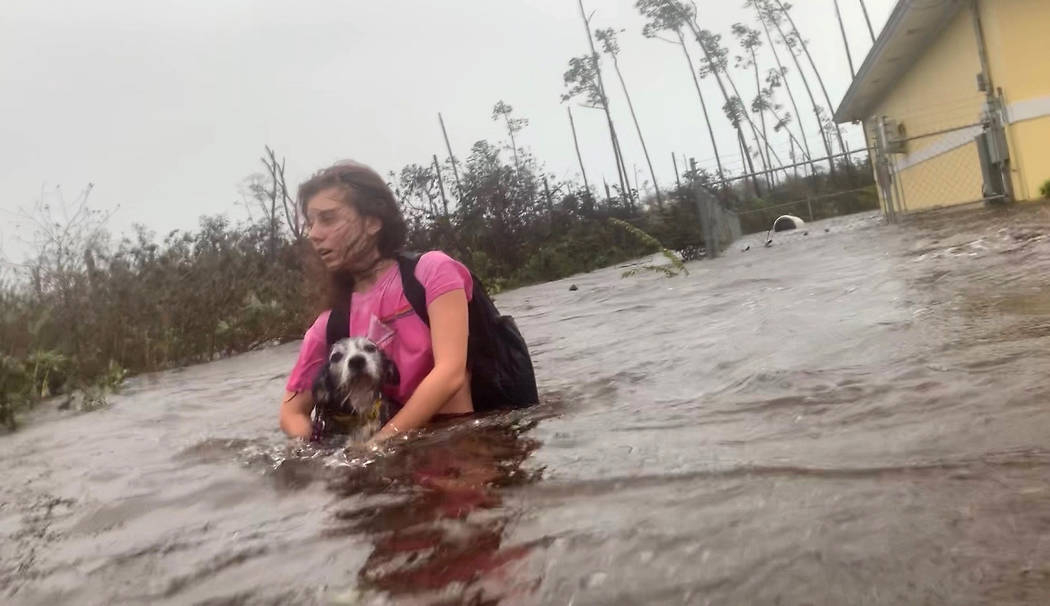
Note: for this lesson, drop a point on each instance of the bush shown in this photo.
(87, 312)
(1045, 189)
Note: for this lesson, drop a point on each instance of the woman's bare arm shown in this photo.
(448, 335)
(295, 414)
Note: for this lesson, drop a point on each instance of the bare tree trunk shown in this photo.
(809, 91)
(820, 80)
(845, 41)
(725, 95)
(451, 156)
(641, 139)
(621, 170)
(771, 177)
(698, 34)
(579, 157)
(749, 166)
(703, 106)
(292, 214)
(623, 167)
(794, 162)
(629, 200)
(787, 87)
(867, 20)
(513, 143)
(441, 185)
(766, 168)
(791, 136)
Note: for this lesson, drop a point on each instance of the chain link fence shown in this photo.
(809, 189)
(941, 154)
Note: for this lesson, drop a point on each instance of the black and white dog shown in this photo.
(348, 392)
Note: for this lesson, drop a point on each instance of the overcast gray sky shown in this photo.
(166, 105)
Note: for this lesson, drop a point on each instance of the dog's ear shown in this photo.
(390, 374)
(323, 389)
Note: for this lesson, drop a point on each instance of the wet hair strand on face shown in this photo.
(365, 190)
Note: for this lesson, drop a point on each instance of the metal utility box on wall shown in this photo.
(993, 188)
(893, 136)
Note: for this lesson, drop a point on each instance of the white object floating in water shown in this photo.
(787, 223)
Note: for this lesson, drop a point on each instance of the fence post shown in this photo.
(706, 213)
(882, 172)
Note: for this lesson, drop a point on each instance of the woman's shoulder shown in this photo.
(439, 273)
(437, 257)
(319, 327)
(436, 260)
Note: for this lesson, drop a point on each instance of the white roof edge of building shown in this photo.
(908, 16)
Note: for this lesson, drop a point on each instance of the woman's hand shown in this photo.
(295, 414)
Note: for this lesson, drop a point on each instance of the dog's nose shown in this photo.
(356, 362)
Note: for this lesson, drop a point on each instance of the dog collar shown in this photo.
(374, 415)
(377, 408)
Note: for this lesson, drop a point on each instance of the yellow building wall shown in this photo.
(1030, 153)
(939, 92)
(1018, 39)
(1017, 33)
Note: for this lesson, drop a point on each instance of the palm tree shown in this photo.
(607, 38)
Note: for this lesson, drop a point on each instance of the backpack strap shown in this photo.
(414, 290)
(338, 326)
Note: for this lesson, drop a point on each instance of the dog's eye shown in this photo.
(336, 357)
(370, 348)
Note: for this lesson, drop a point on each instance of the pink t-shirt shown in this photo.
(384, 315)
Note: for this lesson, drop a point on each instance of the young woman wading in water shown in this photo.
(355, 226)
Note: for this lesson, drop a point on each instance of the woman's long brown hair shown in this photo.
(365, 190)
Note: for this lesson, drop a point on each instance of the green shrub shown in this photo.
(14, 389)
(1045, 189)
(87, 312)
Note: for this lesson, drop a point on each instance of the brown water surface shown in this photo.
(860, 415)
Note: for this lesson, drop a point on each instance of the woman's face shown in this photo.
(344, 239)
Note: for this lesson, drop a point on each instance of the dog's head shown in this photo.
(353, 375)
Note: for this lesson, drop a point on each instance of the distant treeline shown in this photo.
(86, 308)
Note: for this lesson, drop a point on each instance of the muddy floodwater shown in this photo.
(860, 415)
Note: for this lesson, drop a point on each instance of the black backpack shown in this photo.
(498, 359)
